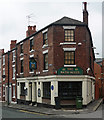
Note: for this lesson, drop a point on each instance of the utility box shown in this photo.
(79, 101)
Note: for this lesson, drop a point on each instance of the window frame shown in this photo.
(69, 59)
(47, 90)
(13, 72)
(13, 56)
(3, 59)
(45, 63)
(31, 44)
(69, 90)
(21, 48)
(22, 66)
(69, 35)
(45, 40)
(13, 91)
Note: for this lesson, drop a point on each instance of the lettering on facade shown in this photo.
(70, 71)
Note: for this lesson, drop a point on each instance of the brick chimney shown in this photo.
(31, 30)
(85, 13)
(13, 44)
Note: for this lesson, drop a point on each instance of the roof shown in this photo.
(66, 21)
(63, 21)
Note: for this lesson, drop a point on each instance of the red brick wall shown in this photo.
(55, 51)
(97, 73)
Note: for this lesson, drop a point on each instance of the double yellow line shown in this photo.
(31, 112)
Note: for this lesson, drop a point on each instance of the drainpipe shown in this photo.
(8, 79)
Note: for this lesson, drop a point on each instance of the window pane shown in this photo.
(69, 35)
(69, 58)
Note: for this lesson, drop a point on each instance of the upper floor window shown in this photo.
(13, 57)
(69, 58)
(69, 35)
(46, 61)
(0, 63)
(21, 66)
(31, 44)
(21, 48)
(3, 59)
(45, 38)
(13, 72)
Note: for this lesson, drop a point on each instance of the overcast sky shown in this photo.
(13, 20)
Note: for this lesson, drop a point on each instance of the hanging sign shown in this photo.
(70, 71)
(32, 64)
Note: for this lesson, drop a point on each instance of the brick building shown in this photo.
(99, 77)
(1, 52)
(56, 61)
(8, 72)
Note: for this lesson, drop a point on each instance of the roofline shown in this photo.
(52, 24)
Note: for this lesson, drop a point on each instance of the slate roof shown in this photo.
(68, 21)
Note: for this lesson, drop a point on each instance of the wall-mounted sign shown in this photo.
(32, 64)
(70, 71)
(52, 87)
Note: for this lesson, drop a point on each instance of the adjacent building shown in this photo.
(1, 52)
(9, 74)
(99, 77)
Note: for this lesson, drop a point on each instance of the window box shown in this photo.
(45, 70)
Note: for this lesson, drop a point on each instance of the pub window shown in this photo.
(46, 61)
(47, 90)
(21, 48)
(69, 58)
(21, 66)
(45, 38)
(69, 35)
(31, 44)
(69, 90)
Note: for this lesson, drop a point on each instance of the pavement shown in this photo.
(50, 111)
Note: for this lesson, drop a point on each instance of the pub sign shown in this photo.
(70, 71)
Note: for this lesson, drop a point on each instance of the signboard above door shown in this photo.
(70, 71)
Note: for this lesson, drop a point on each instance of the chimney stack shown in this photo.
(85, 13)
(31, 30)
(13, 44)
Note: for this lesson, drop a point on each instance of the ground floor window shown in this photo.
(0, 91)
(47, 90)
(3, 90)
(69, 90)
(22, 89)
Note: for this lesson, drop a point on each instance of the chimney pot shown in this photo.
(85, 13)
(31, 30)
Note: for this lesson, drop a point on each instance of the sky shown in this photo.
(14, 20)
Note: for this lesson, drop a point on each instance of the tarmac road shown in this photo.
(13, 114)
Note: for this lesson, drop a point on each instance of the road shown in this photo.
(16, 113)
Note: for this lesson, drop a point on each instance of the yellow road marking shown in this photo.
(31, 112)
